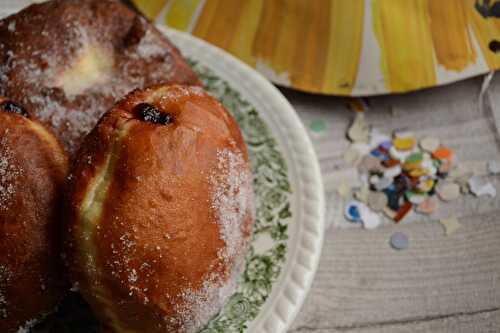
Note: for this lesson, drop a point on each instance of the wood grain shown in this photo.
(362, 282)
(479, 322)
(440, 284)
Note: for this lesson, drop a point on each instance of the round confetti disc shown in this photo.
(399, 241)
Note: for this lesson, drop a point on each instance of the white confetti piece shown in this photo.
(494, 167)
(450, 224)
(359, 130)
(429, 144)
(362, 193)
(393, 171)
(479, 187)
(448, 191)
(377, 137)
(344, 190)
(352, 156)
(371, 220)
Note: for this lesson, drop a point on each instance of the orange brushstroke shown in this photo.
(295, 42)
(310, 53)
(403, 33)
(217, 20)
(208, 14)
(485, 31)
(265, 44)
(344, 45)
(450, 34)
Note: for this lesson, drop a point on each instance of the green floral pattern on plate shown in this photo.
(272, 190)
(263, 266)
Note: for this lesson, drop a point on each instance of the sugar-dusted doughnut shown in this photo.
(33, 169)
(68, 61)
(160, 211)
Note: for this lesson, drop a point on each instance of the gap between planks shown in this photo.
(486, 321)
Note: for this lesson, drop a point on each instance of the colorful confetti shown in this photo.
(400, 174)
(407, 172)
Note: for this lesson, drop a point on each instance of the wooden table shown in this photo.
(441, 283)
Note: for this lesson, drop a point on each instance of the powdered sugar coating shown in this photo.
(232, 198)
(201, 305)
(12, 26)
(68, 62)
(148, 47)
(232, 202)
(180, 92)
(26, 328)
(9, 173)
(40, 70)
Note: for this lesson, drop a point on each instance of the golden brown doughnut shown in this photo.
(68, 61)
(160, 211)
(33, 168)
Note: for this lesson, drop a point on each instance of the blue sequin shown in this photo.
(352, 213)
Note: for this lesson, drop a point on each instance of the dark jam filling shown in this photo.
(151, 114)
(9, 106)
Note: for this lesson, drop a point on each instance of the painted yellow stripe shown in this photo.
(485, 31)
(150, 8)
(450, 34)
(246, 30)
(403, 33)
(180, 13)
(344, 45)
(318, 43)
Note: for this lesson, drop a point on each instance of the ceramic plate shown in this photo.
(288, 235)
(289, 231)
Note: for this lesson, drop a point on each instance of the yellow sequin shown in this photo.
(404, 143)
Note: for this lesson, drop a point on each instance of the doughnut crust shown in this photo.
(33, 169)
(160, 211)
(68, 61)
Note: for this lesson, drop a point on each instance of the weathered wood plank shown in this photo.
(440, 284)
(362, 281)
(487, 321)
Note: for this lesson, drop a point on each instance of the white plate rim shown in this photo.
(287, 297)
